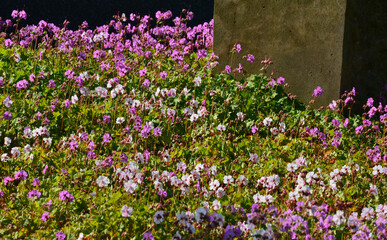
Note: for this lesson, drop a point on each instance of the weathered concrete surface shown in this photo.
(304, 39)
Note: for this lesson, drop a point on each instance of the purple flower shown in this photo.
(335, 122)
(91, 146)
(6, 180)
(45, 216)
(51, 84)
(1, 193)
(91, 155)
(73, 145)
(163, 75)
(22, 84)
(106, 138)
(34, 193)
(84, 136)
(21, 174)
(106, 119)
(227, 68)
(280, 80)
(162, 193)
(145, 130)
(7, 115)
(370, 102)
(147, 236)
(146, 83)
(67, 103)
(45, 169)
(15, 14)
(23, 14)
(35, 182)
(157, 132)
(66, 196)
(250, 58)
(318, 91)
(60, 235)
(359, 129)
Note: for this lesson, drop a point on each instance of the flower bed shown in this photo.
(123, 132)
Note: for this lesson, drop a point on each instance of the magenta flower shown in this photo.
(280, 80)
(66, 196)
(67, 103)
(6, 180)
(22, 84)
(106, 138)
(146, 83)
(318, 91)
(91, 146)
(254, 129)
(227, 68)
(34, 193)
(250, 58)
(73, 145)
(60, 235)
(15, 14)
(163, 75)
(35, 182)
(1, 193)
(21, 174)
(23, 14)
(51, 84)
(359, 129)
(157, 132)
(45, 169)
(45, 216)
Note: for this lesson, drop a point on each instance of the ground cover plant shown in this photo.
(125, 132)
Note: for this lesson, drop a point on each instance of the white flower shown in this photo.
(214, 185)
(185, 91)
(159, 217)
(254, 157)
(339, 218)
(84, 91)
(228, 179)
(220, 192)
(4, 157)
(126, 211)
(74, 99)
(103, 181)
(130, 186)
(120, 120)
(374, 189)
(47, 141)
(243, 180)
(197, 81)
(194, 117)
(368, 213)
(7, 141)
(240, 116)
(216, 205)
(267, 121)
(80, 236)
(15, 152)
(221, 127)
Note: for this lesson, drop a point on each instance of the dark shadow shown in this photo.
(100, 12)
(365, 51)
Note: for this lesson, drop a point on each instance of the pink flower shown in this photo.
(45, 216)
(163, 75)
(318, 91)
